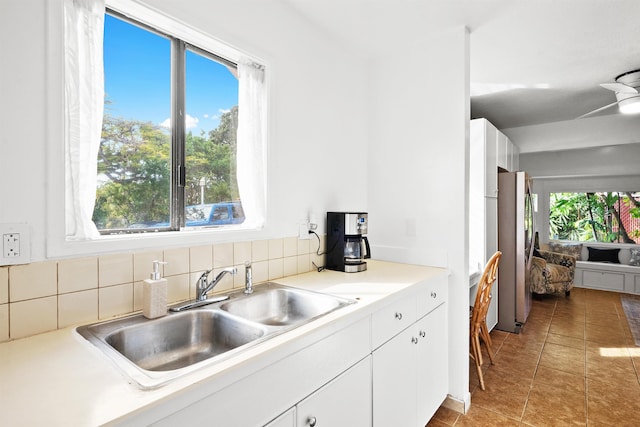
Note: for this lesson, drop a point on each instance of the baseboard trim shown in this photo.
(460, 406)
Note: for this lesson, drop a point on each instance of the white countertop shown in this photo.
(59, 378)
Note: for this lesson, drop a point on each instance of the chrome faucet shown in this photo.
(248, 279)
(204, 287)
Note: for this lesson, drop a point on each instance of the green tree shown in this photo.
(134, 174)
(134, 170)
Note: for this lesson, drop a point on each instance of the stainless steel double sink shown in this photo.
(153, 352)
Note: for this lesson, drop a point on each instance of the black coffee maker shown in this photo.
(347, 245)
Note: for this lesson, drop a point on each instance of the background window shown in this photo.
(612, 217)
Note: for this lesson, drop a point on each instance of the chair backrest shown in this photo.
(483, 297)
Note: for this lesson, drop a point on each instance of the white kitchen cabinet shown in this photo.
(483, 204)
(257, 399)
(505, 152)
(410, 373)
(433, 363)
(515, 158)
(344, 402)
(288, 419)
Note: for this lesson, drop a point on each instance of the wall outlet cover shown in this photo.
(15, 244)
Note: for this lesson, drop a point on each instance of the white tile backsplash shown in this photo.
(290, 247)
(4, 285)
(77, 274)
(4, 322)
(223, 255)
(177, 261)
(33, 316)
(31, 281)
(276, 248)
(143, 264)
(77, 307)
(115, 300)
(241, 253)
(44, 296)
(201, 258)
(115, 269)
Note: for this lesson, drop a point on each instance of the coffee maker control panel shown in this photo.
(356, 223)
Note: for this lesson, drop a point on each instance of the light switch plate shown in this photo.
(15, 244)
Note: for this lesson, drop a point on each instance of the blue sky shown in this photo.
(138, 80)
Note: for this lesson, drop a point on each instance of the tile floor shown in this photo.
(573, 364)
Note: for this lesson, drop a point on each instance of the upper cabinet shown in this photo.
(508, 152)
(483, 163)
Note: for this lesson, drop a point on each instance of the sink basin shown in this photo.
(178, 341)
(279, 306)
(153, 352)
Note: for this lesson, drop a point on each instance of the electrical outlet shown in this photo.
(303, 230)
(11, 245)
(15, 244)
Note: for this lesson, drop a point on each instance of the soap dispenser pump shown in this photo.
(154, 294)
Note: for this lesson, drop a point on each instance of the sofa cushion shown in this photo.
(573, 249)
(604, 255)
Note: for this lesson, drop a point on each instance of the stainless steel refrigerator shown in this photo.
(515, 234)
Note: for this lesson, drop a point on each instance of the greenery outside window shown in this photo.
(169, 133)
(609, 216)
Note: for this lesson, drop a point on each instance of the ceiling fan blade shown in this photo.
(619, 87)
(598, 110)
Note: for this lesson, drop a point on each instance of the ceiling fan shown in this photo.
(627, 89)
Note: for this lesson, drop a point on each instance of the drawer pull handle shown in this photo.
(423, 334)
(312, 421)
(398, 315)
(433, 294)
(414, 340)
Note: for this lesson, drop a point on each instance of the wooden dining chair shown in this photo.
(478, 327)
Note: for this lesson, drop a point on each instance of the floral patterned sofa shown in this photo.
(551, 272)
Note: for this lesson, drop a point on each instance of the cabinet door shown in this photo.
(491, 246)
(432, 363)
(344, 402)
(502, 151)
(491, 161)
(515, 157)
(394, 381)
(288, 419)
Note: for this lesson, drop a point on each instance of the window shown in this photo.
(155, 163)
(610, 217)
(157, 117)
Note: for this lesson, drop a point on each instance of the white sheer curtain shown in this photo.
(84, 103)
(251, 139)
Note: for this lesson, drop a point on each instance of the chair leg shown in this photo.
(484, 334)
(567, 293)
(477, 356)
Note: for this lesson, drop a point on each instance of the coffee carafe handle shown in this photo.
(366, 246)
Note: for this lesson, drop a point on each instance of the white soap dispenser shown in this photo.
(154, 294)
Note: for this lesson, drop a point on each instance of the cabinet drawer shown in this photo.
(392, 319)
(609, 281)
(432, 296)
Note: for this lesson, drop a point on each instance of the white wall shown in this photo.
(389, 136)
(418, 163)
(317, 114)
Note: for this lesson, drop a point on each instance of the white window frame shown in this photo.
(544, 186)
(57, 244)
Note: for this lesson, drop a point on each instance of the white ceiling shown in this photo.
(532, 61)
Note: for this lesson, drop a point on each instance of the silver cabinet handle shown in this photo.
(414, 340)
(312, 421)
(433, 294)
(399, 316)
(423, 334)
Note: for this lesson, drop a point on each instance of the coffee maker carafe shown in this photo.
(347, 245)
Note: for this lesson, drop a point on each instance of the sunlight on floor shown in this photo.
(619, 351)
